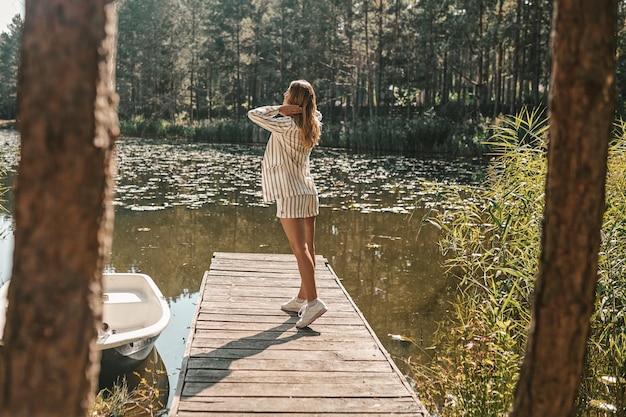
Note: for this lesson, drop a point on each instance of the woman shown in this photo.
(286, 178)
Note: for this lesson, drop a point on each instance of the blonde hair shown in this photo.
(301, 93)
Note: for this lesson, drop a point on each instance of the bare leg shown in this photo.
(300, 233)
(309, 231)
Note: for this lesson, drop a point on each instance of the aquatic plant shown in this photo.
(493, 245)
(120, 400)
(111, 401)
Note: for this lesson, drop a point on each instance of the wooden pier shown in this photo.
(245, 357)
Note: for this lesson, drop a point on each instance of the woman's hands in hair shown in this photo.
(289, 109)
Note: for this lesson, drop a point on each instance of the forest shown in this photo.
(403, 75)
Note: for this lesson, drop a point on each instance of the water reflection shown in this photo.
(177, 203)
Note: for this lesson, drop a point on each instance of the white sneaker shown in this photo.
(310, 312)
(294, 305)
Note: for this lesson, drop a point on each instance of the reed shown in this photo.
(424, 134)
(492, 245)
(604, 384)
(111, 401)
(141, 393)
(120, 400)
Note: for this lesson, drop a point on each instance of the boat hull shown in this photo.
(134, 314)
(124, 359)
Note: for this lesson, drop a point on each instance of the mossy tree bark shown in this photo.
(581, 116)
(63, 208)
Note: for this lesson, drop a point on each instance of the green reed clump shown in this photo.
(419, 135)
(218, 131)
(225, 131)
(423, 134)
(142, 128)
(493, 246)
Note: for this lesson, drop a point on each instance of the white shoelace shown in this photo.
(302, 310)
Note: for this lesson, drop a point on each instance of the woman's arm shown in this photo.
(266, 118)
(289, 109)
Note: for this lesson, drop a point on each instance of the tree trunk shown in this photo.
(63, 208)
(581, 115)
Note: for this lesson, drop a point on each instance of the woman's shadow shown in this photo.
(207, 369)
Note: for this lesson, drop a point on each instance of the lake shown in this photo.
(177, 203)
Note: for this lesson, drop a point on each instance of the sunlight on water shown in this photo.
(162, 174)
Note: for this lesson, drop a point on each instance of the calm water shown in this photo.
(177, 203)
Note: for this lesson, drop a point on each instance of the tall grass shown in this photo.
(425, 134)
(219, 131)
(493, 245)
(604, 384)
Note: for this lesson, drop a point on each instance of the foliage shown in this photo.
(391, 60)
(9, 50)
(216, 58)
(493, 246)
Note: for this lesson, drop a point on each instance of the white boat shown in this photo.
(134, 314)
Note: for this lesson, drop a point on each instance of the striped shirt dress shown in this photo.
(285, 170)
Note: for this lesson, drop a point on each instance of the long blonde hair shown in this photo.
(301, 93)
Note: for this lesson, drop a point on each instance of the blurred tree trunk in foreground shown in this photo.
(581, 117)
(63, 208)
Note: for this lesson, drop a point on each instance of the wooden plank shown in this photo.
(201, 413)
(302, 390)
(289, 354)
(245, 357)
(270, 319)
(294, 345)
(224, 331)
(294, 377)
(339, 310)
(326, 406)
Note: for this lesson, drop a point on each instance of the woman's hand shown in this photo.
(289, 109)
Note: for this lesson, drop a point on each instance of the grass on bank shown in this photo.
(425, 134)
(493, 245)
